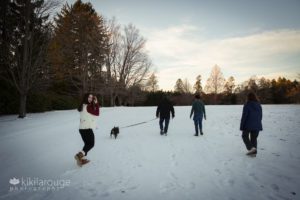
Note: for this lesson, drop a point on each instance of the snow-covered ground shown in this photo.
(141, 164)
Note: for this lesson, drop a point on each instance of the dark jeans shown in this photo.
(88, 139)
(161, 121)
(198, 123)
(252, 141)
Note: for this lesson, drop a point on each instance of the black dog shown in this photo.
(115, 132)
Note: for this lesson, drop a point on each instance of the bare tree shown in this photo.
(129, 62)
(151, 84)
(252, 84)
(133, 61)
(215, 83)
(111, 63)
(187, 86)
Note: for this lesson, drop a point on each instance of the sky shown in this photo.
(187, 38)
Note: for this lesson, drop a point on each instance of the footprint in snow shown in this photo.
(275, 187)
(98, 182)
(173, 176)
(253, 176)
(231, 182)
(218, 171)
(174, 162)
(192, 185)
(167, 187)
(276, 154)
(105, 194)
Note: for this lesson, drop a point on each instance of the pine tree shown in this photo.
(79, 46)
(197, 85)
(179, 86)
(229, 85)
(24, 44)
(151, 84)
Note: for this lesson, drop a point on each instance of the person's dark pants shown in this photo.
(88, 139)
(198, 123)
(252, 141)
(161, 122)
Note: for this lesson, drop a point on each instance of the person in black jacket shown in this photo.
(163, 112)
(251, 123)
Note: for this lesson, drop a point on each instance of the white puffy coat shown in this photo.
(87, 120)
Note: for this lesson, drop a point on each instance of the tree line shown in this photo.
(49, 63)
(219, 90)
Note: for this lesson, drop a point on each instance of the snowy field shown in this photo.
(141, 164)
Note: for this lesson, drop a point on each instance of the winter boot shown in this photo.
(161, 132)
(84, 161)
(196, 134)
(78, 157)
(201, 133)
(252, 151)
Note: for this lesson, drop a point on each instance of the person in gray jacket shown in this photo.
(198, 109)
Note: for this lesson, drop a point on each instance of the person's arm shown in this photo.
(93, 109)
(157, 111)
(204, 111)
(172, 111)
(192, 111)
(244, 117)
(261, 113)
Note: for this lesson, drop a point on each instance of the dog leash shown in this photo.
(138, 123)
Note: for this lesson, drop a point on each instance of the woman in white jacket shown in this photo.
(89, 111)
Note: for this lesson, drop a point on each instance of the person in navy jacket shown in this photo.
(163, 112)
(251, 123)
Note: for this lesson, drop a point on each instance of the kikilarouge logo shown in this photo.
(14, 181)
(37, 184)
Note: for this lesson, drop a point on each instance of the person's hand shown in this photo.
(205, 117)
(95, 100)
(173, 116)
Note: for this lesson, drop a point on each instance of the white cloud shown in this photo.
(182, 52)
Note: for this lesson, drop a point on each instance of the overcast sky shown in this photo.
(187, 38)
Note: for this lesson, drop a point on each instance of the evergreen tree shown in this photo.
(151, 84)
(197, 85)
(179, 86)
(24, 43)
(79, 46)
(229, 85)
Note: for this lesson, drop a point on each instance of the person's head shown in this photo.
(197, 96)
(252, 97)
(164, 98)
(86, 99)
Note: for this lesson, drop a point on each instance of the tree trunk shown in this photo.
(22, 108)
(112, 99)
(25, 64)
